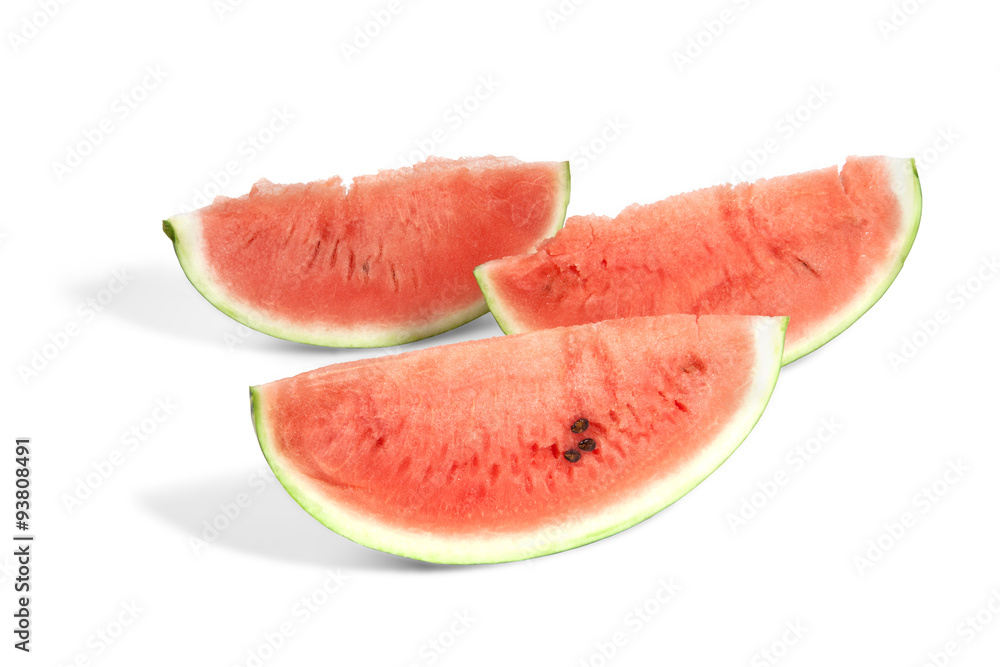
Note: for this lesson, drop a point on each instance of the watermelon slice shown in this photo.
(514, 447)
(387, 262)
(821, 247)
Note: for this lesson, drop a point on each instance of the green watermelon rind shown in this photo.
(183, 231)
(906, 186)
(770, 335)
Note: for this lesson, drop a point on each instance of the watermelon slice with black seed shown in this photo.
(519, 446)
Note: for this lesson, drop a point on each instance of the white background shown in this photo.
(558, 85)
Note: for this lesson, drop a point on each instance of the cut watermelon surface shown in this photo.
(387, 261)
(513, 447)
(821, 247)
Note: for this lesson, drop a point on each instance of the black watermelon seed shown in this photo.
(580, 425)
(587, 444)
(572, 455)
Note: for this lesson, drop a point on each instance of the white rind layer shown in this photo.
(769, 335)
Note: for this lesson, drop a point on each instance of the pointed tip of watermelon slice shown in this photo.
(568, 187)
(494, 304)
(168, 229)
(253, 405)
(918, 202)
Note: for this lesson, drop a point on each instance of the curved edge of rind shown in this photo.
(909, 193)
(258, 412)
(769, 335)
(184, 232)
(297, 486)
(481, 273)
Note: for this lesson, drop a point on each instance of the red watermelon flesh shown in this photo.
(458, 453)
(387, 261)
(820, 247)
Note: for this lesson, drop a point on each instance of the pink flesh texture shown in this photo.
(470, 437)
(396, 249)
(801, 246)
